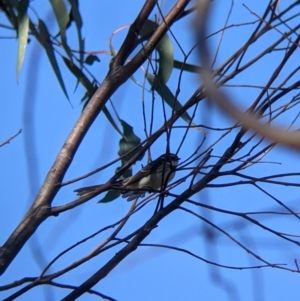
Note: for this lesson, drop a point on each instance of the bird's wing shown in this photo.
(144, 172)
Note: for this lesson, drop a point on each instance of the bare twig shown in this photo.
(11, 138)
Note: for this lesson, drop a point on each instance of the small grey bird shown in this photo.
(151, 177)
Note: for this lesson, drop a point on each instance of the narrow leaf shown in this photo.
(44, 38)
(79, 75)
(168, 96)
(111, 120)
(128, 142)
(164, 49)
(187, 67)
(75, 14)
(62, 18)
(23, 25)
(8, 9)
(82, 78)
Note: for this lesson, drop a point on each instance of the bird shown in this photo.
(153, 176)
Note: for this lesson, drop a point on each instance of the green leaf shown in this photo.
(8, 9)
(44, 38)
(91, 59)
(110, 196)
(128, 142)
(14, 3)
(80, 75)
(113, 51)
(126, 174)
(82, 78)
(62, 18)
(111, 120)
(23, 25)
(166, 59)
(165, 52)
(165, 68)
(86, 96)
(168, 96)
(187, 67)
(75, 15)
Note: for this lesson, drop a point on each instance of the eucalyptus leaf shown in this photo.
(91, 59)
(128, 142)
(187, 67)
(76, 16)
(91, 89)
(44, 39)
(168, 97)
(62, 18)
(23, 26)
(110, 196)
(164, 49)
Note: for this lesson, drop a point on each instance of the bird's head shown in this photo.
(171, 158)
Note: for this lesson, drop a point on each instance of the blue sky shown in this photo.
(35, 103)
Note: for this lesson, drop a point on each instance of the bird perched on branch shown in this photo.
(150, 178)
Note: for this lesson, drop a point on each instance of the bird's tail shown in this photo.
(85, 190)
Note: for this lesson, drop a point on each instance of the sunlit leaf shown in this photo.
(23, 25)
(165, 68)
(62, 18)
(165, 52)
(113, 51)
